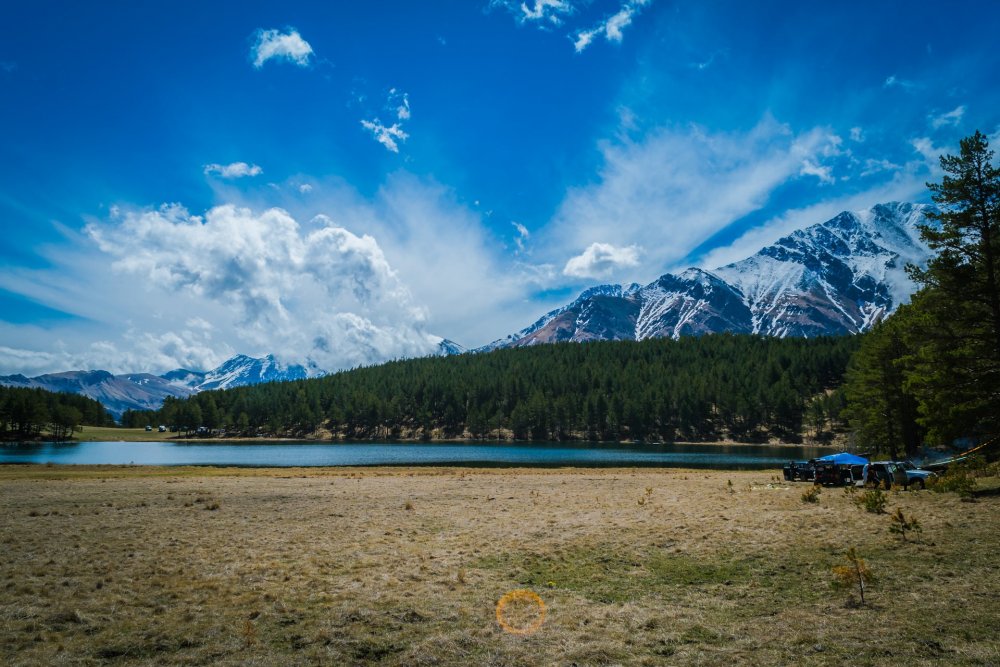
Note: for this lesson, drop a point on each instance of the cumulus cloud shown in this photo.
(601, 260)
(326, 295)
(857, 135)
(953, 118)
(287, 45)
(677, 187)
(232, 170)
(610, 28)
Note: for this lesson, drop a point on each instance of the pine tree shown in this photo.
(957, 367)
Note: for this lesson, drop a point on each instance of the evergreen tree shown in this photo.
(957, 335)
(883, 411)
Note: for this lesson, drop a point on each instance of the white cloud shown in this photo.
(857, 135)
(953, 118)
(677, 187)
(927, 149)
(873, 166)
(387, 136)
(403, 110)
(391, 136)
(541, 11)
(611, 28)
(601, 260)
(233, 170)
(522, 235)
(326, 295)
(287, 45)
(305, 188)
(823, 172)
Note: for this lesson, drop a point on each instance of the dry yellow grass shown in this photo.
(405, 567)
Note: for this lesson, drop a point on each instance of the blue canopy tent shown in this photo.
(844, 458)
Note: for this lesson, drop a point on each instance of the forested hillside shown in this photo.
(699, 388)
(28, 413)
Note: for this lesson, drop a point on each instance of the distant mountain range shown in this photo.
(144, 391)
(838, 277)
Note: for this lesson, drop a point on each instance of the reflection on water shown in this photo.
(360, 454)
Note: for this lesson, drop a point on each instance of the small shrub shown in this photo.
(872, 500)
(901, 525)
(408, 506)
(212, 506)
(854, 573)
(958, 479)
(811, 495)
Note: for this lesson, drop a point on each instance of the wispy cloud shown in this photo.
(387, 136)
(677, 187)
(610, 28)
(892, 81)
(601, 260)
(232, 170)
(823, 172)
(390, 136)
(274, 44)
(537, 11)
(953, 118)
(522, 235)
(857, 135)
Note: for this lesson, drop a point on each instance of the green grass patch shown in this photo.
(605, 574)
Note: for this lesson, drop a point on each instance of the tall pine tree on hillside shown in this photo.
(956, 369)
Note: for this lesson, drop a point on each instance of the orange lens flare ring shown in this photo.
(519, 597)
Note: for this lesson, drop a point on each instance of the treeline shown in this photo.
(747, 388)
(28, 413)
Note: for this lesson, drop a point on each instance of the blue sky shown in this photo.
(345, 182)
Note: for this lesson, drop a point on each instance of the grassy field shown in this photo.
(109, 434)
(129, 565)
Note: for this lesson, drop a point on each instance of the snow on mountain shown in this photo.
(840, 276)
(242, 370)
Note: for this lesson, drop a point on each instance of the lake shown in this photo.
(731, 457)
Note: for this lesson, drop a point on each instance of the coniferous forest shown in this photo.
(27, 413)
(723, 386)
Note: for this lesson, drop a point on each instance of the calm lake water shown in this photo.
(742, 457)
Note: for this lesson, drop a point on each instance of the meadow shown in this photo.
(394, 566)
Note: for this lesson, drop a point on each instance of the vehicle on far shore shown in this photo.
(799, 471)
(917, 477)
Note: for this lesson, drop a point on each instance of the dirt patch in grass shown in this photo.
(397, 566)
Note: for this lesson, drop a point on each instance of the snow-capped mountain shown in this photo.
(837, 277)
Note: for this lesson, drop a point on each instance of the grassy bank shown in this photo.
(405, 567)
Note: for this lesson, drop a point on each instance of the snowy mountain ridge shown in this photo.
(841, 276)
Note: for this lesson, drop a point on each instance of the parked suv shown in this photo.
(885, 474)
(916, 476)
